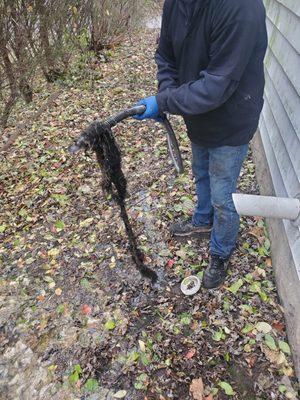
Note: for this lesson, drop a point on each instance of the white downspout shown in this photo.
(267, 206)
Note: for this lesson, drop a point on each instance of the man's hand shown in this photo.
(151, 112)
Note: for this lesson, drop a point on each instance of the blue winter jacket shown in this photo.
(210, 68)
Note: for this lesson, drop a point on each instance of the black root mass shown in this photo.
(99, 138)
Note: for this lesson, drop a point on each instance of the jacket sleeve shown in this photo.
(233, 40)
(167, 73)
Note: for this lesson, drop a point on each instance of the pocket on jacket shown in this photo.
(244, 104)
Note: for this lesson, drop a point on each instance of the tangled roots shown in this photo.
(99, 138)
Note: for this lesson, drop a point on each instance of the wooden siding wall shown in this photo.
(280, 120)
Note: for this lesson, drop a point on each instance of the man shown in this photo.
(210, 71)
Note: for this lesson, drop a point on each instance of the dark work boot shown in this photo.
(215, 274)
(186, 228)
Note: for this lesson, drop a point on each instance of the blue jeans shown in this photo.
(216, 171)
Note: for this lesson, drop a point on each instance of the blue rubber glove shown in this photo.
(151, 109)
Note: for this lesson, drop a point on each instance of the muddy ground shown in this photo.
(76, 319)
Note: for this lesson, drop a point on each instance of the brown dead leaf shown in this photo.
(258, 233)
(43, 254)
(195, 324)
(251, 361)
(43, 324)
(86, 309)
(53, 229)
(197, 389)
(274, 357)
(209, 397)
(181, 254)
(278, 326)
(268, 262)
(170, 263)
(190, 354)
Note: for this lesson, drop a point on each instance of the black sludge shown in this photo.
(99, 138)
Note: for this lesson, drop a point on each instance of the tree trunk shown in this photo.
(21, 54)
(26, 90)
(9, 72)
(51, 72)
(7, 110)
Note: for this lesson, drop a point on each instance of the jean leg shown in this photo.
(224, 168)
(203, 214)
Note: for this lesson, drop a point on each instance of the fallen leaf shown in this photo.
(287, 371)
(61, 308)
(85, 283)
(53, 252)
(227, 388)
(274, 356)
(247, 348)
(142, 346)
(110, 325)
(268, 262)
(284, 347)
(86, 309)
(278, 326)
(58, 292)
(181, 254)
(190, 354)
(270, 342)
(43, 324)
(2, 228)
(263, 327)
(291, 395)
(258, 233)
(91, 385)
(84, 189)
(120, 394)
(197, 389)
(236, 286)
(59, 225)
(247, 328)
(219, 335)
(251, 361)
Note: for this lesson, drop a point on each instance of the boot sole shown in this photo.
(213, 287)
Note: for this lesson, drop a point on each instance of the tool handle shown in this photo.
(114, 120)
(85, 138)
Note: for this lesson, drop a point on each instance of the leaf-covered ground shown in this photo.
(76, 320)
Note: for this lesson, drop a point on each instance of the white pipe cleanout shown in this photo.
(267, 206)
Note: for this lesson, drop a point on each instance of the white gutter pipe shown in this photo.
(267, 206)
